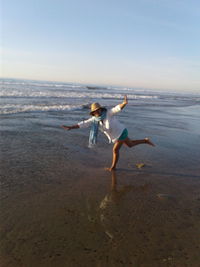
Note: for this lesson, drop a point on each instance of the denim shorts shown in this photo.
(124, 135)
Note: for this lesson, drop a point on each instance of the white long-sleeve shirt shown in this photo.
(110, 126)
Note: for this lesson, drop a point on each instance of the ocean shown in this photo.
(22, 96)
(59, 205)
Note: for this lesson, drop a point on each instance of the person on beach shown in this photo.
(116, 132)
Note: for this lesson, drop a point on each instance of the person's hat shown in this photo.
(94, 107)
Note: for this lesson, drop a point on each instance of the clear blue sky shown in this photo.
(144, 43)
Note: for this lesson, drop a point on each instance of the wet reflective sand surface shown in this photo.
(58, 214)
(58, 207)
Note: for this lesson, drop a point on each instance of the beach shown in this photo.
(59, 207)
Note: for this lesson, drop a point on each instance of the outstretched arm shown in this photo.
(124, 103)
(70, 127)
(82, 124)
(119, 107)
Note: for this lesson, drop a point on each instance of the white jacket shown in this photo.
(111, 127)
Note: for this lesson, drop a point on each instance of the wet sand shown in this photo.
(59, 207)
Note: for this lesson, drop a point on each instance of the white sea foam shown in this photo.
(69, 94)
(29, 96)
(16, 108)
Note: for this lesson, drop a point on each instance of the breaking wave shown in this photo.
(16, 108)
(69, 94)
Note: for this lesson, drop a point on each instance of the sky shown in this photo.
(141, 44)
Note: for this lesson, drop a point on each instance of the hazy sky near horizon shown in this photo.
(144, 43)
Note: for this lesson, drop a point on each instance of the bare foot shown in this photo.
(110, 169)
(148, 141)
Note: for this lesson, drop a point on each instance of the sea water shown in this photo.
(39, 108)
(22, 96)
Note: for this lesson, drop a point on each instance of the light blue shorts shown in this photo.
(124, 135)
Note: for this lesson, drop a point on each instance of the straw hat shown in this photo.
(94, 107)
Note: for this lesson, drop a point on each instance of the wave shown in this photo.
(70, 94)
(39, 84)
(16, 108)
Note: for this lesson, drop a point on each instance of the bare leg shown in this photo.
(131, 143)
(116, 149)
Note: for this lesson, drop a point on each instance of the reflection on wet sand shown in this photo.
(109, 210)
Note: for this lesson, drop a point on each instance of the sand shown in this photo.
(60, 208)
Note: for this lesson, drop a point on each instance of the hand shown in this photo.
(66, 127)
(125, 99)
